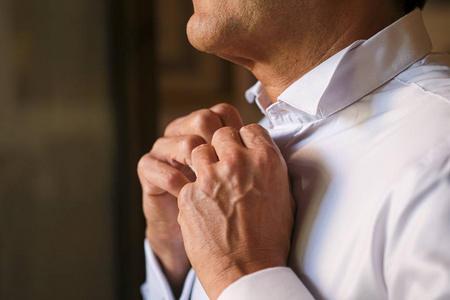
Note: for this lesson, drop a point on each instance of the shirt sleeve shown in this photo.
(417, 257)
(156, 286)
(272, 283)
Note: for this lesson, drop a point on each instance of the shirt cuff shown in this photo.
(156, 285)
(271, 283)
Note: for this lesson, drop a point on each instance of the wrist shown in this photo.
(170, 253)
(173, 260)
(175, 269)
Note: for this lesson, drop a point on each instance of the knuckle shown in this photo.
(199, 148)
(199, 152)
(157, 144)
(202, 115)
(143, 162)
(203, 119)
(189, 143)
(145, 169)
(225, 108)
(195, 151)
(171, 128)
(225, 131)
(252, 127)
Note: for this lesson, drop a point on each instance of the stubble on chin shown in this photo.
(210, 33)
(233, 29)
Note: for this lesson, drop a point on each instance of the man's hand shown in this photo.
(164, 171)
(237, 217)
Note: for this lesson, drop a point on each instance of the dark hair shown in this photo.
(410, 5)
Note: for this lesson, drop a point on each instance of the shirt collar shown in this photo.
(353, 72)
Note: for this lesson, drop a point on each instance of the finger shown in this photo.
(203, 123)
(254, 136)
(225, 141)
(176, 150)
(203, 156)
(229, 115)
(158, 177)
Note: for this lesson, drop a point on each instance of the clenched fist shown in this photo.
(237, 216)
(164, 171)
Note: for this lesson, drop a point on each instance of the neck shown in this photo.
(289, 59)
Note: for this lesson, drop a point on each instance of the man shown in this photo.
(344, 195)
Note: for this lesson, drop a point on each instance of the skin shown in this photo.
(239, 169)
(234, 216)
(164, 171)
(238, 214)
(301, 35)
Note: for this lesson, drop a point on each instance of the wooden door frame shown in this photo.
(133, 88)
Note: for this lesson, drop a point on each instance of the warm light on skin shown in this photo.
(280, 41)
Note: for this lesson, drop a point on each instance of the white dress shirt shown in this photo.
(366, 137)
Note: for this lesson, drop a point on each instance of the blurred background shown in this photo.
(86, 86)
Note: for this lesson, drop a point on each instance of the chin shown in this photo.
(193, 35)
(219, 36)
(207, 34)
